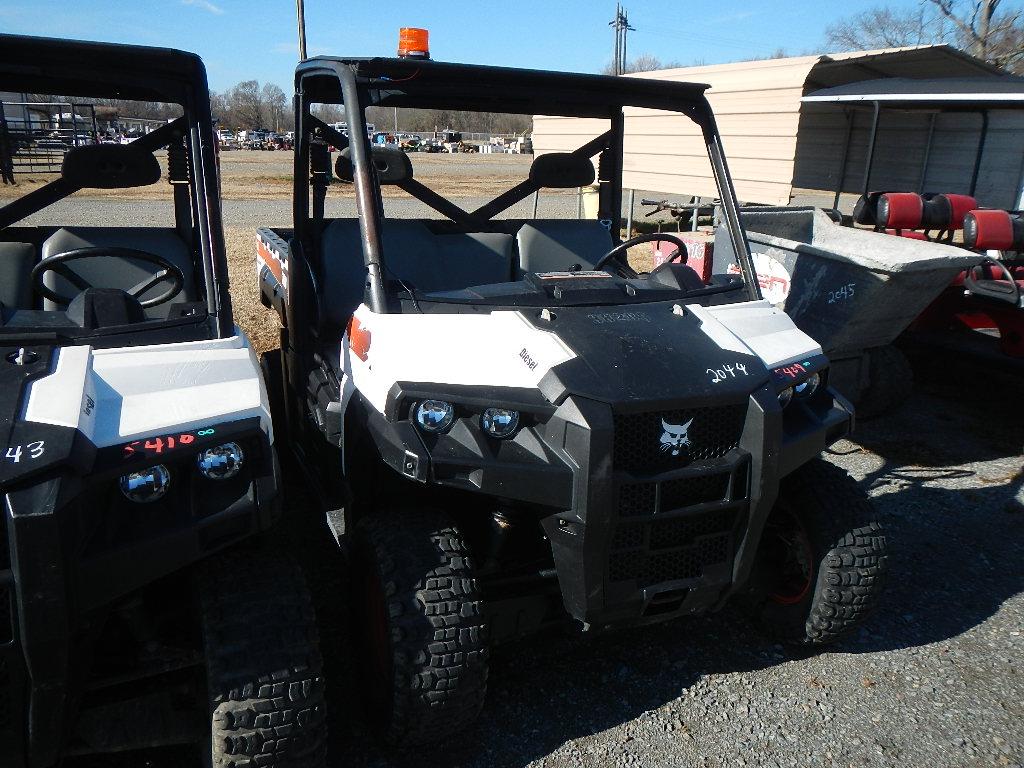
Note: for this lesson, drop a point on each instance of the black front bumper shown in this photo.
(55, 579)
(647, 539)
(637, 533)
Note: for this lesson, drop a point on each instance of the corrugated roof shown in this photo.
(758, 107)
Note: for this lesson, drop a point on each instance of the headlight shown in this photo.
(222, 462)
(434, 415)
(147, 484)
(785, 396)
(499, 422)
(808, 387)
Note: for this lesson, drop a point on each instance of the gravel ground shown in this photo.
(936, 679)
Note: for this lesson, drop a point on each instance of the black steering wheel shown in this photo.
(616, 253)
(58, 265)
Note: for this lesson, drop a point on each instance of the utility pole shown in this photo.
(300, 12)
(621, 27)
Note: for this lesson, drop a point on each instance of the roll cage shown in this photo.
(414, 83)
(85, 69)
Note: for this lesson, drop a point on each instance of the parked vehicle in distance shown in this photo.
(142, 601)
(507, 426)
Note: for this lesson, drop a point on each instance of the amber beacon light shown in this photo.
(413, 43)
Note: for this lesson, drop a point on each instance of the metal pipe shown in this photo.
(629, 218)
(536, 200)
(618, 131)
(871, 149)
(730, 210)
(927, 154)
(981, 151)
(300, 12)
(364, 181)
(850, 117)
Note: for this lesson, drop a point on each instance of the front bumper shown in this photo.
(75, 547)
(637, 535)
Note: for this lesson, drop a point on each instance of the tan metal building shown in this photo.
(781, 150)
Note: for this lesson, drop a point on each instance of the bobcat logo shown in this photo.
(674, 438)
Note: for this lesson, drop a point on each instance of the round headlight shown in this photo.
(808, 387)
(221, 462)
(147, 484)
(785, 396)
(434, 415)
(499, 422)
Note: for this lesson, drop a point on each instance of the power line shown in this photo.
(621, 26)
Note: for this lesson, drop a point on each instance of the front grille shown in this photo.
(668, 550)
(675, 529)
(642, 446)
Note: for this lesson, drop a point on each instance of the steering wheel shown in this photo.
(616, 253)
(58, 265)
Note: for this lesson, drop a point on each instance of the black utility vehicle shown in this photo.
(510, 426)
(139, 605)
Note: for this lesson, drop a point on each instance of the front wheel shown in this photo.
(424, 647)
(822, 559)
(264, 680)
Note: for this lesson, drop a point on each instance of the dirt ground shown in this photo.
(253, 175)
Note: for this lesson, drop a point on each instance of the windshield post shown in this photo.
(366, 194)
(730, 209)
(209, 223)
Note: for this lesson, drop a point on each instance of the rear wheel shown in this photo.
(423, 638)
(822, 559)
(265, 688)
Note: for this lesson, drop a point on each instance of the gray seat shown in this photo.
(412, 254)
(116, 272)
(16, 262)
(556, 245)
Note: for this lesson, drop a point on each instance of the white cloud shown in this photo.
(206, 5)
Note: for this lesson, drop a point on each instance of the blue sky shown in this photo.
(244, 39)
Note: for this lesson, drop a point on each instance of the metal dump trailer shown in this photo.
(853, 291)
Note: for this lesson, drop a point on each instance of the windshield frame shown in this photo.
(87, 69)
(357, 84)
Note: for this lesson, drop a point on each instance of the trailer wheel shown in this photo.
(822, 559)
(419, 619)
(264, 684)
(891, 381)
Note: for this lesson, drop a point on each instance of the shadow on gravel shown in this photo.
(955, 527)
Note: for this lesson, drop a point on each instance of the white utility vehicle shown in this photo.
(141, 604)
(509, 425)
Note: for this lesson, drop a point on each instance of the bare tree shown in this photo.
(245, 105)
(275, 107)
(985, 32)
(881, 27)
(645, 62)
(978, 27)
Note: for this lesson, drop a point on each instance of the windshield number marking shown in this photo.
(842, 293)
(35, 450)
(727, 371)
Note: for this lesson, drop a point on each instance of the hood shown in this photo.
(671, 353)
